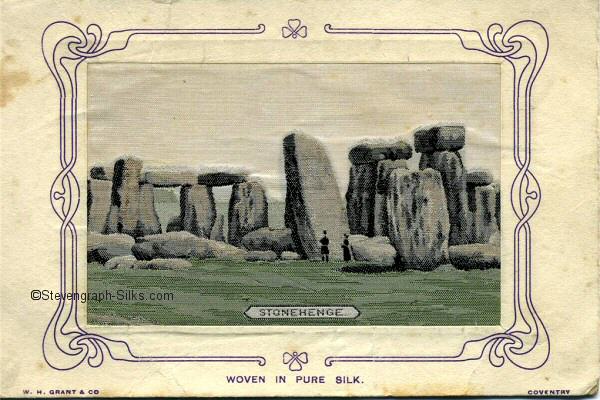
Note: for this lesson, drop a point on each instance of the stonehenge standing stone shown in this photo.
(124, 209)
(313, 200)
(485, 213)
(369, 160)
(418, 220)
(475, 179)
(148, 222)
(384, 169)
(101, 173)
(198, 211)
(360, 198)
(248, 210)
(498, 202)
(98, 202)
(217, 232)
(174, 224)
(439, 146)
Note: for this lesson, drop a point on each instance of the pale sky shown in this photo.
(236, 115)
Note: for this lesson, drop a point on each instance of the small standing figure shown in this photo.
(346, 249)
(324, 247)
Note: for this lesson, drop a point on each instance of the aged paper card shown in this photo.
(299, 198)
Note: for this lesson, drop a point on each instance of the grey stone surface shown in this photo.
(147, 251)
(498, 203)
(374, 152)
(418, 218)
(221, 178)
(163, 177)
(313, 200)
(485, 224)
(257, 255)
(451, 168)
(101, 172)
(124, 209)
(290, 256)
(248, 210)
(384, 169)
(479, 177)
(360, 199)
(174, 224)
(263, 239)
(98, 204)
(217, 232)
(198, 211)
(475, 256)
(439, 138)
(181, 244)
(148, 223)
(224, 251)
(101, 248)
(376, 250)
(184, 244)
(475, 179)
(121, 262)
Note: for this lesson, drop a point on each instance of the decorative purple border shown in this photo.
(66, 344)
(526, 344)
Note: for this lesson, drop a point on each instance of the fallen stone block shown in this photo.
(377, 250)
(121, 262)
(475, 256)
(101, 248)
(263, 239)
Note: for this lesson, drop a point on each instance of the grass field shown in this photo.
(218, 293)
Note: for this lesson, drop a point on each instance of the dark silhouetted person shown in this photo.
(324, 247)
(346, 249)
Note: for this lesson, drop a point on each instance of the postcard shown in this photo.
(299, 199)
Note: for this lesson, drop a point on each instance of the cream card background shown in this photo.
(564, 229)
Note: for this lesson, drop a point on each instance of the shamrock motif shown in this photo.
(294, 29)
(295, 360)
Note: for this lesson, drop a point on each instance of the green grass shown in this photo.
(218, 293)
